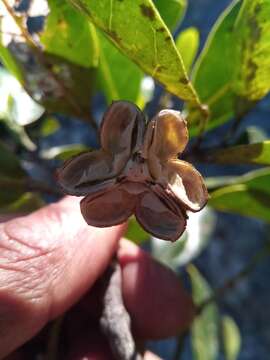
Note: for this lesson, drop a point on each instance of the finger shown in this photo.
(158, 304)
(47, 261)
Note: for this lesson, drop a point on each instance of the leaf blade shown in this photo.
(146, 40)
(235, 62)
(248, 196)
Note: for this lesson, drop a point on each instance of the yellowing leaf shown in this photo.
(137, 29)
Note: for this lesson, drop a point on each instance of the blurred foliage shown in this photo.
(122, 50)
(211, 332)
(235, 61)
(187, 43)
(248, 195)
(231, 338)
(204, 330)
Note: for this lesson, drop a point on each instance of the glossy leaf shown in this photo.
(258, 153)
(233, 70)
(248, 196)
(187, 43)
(231, 338)
(204, 330)
(69, 35)
(145, 40)
(171, 11)
(119, 77)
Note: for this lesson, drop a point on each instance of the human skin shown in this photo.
(51, 260)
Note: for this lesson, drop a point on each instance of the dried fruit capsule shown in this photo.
(137, 172)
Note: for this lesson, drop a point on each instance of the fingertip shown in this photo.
(154, 296)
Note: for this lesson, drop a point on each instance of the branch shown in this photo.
(115, 321)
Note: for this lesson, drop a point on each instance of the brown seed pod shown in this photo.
(137, 171)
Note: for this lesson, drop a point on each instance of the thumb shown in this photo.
(48, 260)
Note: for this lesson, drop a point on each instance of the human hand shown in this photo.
(51, 259)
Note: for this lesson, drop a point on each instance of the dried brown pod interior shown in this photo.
(137, 171)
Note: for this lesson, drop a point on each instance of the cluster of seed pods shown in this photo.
(137, 171)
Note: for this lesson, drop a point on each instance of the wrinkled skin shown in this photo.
(137, 171)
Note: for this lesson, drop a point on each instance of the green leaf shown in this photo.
(136, 28)
(69, 35)
(49, 126)
(171, 11)
(258, 153)
(231, 338)
(213, 70)
(248, 196)
(11, 64)
(252, 59)
(233, 71)
(135, 232)
(119, 77)
(187, 43)
(63, 152)
(204, 330)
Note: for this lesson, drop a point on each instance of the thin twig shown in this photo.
(115, 321)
